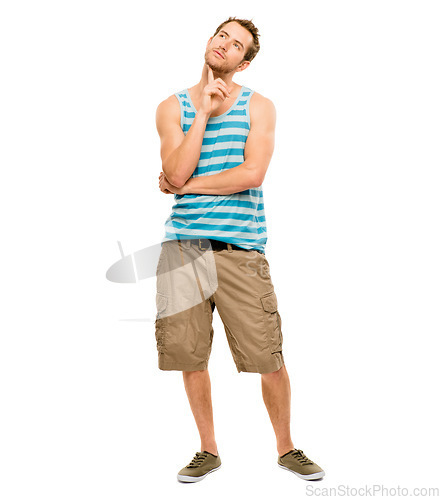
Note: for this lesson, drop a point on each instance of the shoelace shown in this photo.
(302, 459)
(198, 459)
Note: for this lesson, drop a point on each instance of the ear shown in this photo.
(242, 66)
(209, 41)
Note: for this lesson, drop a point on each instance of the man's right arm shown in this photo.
(180, 153)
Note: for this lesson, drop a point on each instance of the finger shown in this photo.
(222, 82)
(210, 75)
(220, 93)
(222, 85)
(215, 89)
(218, 82)
(230, 89)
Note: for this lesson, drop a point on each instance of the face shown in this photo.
(225, 52)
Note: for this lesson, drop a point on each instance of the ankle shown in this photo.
(283, 449)
(210, 448)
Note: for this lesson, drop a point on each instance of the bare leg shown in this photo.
(276, 395)
(198, 390)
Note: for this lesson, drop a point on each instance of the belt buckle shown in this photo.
(201, 244)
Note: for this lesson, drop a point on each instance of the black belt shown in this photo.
(205, 244)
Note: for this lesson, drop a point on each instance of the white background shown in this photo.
(352, 203)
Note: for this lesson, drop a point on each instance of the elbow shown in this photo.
(177, 181)
(173, 178)
(256, 180)
(254, 175)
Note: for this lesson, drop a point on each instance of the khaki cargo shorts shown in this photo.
(191, 282)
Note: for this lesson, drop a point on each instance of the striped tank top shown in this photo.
(237, 218)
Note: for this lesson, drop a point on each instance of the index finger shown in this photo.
(210, 75)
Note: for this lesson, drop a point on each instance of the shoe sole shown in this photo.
(307, 477)
(194, 479)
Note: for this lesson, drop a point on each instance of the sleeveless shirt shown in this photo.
(237, 218)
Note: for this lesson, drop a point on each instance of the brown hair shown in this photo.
(253, 30)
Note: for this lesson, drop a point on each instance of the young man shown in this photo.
(217, 139)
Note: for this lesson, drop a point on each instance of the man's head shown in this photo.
(233, 46)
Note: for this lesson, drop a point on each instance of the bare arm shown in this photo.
(257, 154)
(180, 153)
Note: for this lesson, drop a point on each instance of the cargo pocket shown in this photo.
(161, 303)
(270, 306)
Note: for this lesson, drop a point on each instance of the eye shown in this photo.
(236, 45)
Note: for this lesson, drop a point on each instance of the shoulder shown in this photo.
(261, 107)
(168, 109)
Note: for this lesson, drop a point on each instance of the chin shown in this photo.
(215, 66)
(213, 63)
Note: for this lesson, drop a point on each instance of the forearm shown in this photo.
(181, 163)
(233, 180)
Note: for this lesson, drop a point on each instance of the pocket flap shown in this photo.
(270, 302)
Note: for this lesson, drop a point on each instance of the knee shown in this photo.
(194, 373)
(273, 375)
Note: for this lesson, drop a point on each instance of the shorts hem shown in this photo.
(273, 366)
(187, 367)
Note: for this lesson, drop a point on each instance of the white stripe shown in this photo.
(217, 222)
(226, 210)
(220, 159)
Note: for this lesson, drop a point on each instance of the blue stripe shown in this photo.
(215, 167)
(208, 204)
(217, 215)
(238, 112)
(232, 124)
(221, 152)
(210, 127)
(226, 203)
(207, 141)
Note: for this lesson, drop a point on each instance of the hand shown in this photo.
(166, 187)
(214, 93)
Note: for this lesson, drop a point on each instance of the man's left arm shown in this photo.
(257, 154)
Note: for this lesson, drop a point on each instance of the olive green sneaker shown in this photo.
(200, 466)
(299, 464)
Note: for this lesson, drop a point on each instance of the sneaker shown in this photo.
(200, 466)
(299, 464)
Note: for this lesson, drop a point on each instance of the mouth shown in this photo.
(218, 53)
